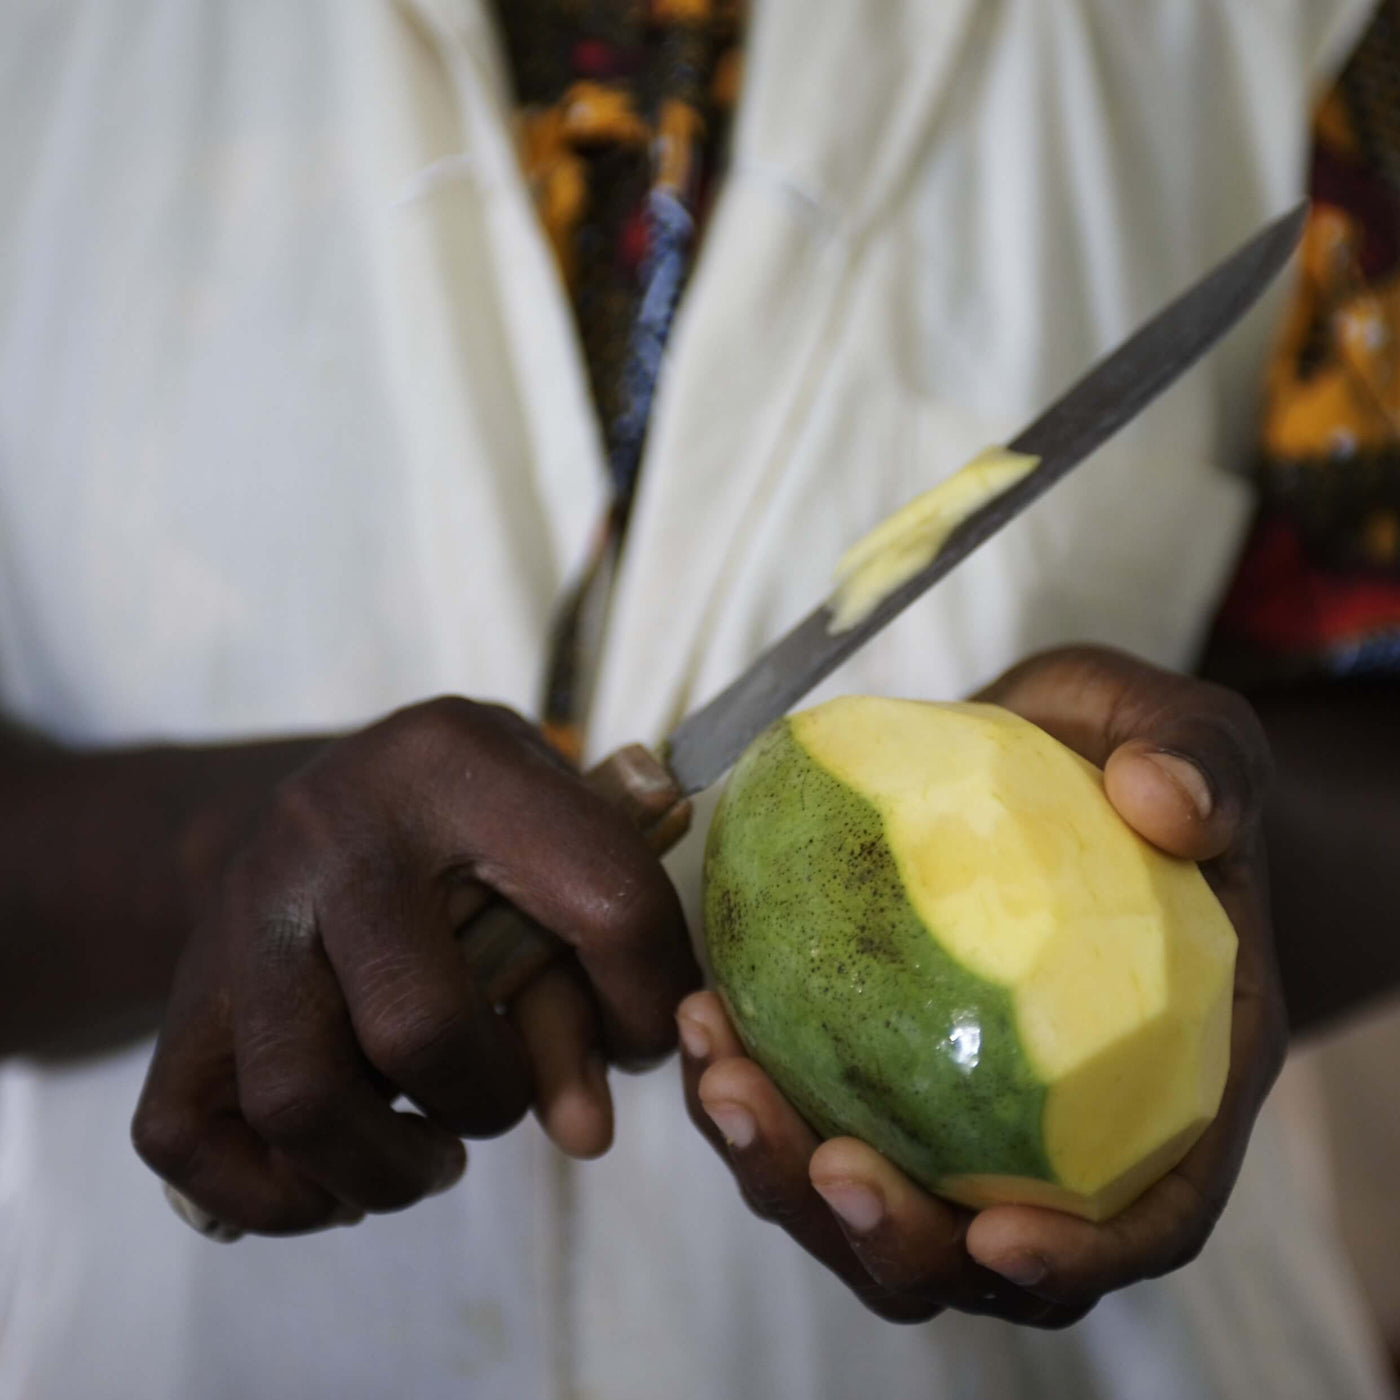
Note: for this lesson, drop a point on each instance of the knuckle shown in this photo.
(276, 944)
(1238, 734)
(287, 1217)
(642, 1053)
(1196, 1216)
(288, 1111)
(166, 1138)
(416, 738)
(1188, 1249)
(1248, 730)
(385, 1197)
(770, 1203)
(295, 814)
(1087, 659)
(637, 912)
(648, 1038)
(1081, 661)
(904, 1308)
(446, 716)
(268, 870)
(451, 734)
(411, 1040)
(502, 718)
(1012, 1303)
(1055, 1317)
(903, 1312)
(1240, 716)
(449, 720)
(495, 1109)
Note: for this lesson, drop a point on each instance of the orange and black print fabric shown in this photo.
(622, 114)
(1319, 589)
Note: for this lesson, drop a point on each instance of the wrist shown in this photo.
(223, 795)
(109, 860)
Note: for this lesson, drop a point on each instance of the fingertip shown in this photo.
(741, 1101)
(735, 1122)
(731, 1080)
(578, 1117)
(859, 1207)
(701, 1006)
(1058, 1256)
(579, 1127)
(844, 1172)
(442, 1153)
(1190, 780)
(866, 1189)
(1167, 799)
(704, 1028)
(844, 1159)
(694, 1036)
(453, 1168)
(1008, 1240)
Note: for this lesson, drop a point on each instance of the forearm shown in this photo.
(1333, 828)
(105, 860)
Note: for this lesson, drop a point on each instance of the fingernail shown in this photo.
(1189, 778)
(197, 1218)
(1027, 1270)
(694, 1037)
(737, 1124)
(860, 1208)
(346, 1215)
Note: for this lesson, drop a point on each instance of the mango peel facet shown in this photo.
(931, 928)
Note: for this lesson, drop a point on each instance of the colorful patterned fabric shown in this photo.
(623, 108)
(1319, 588)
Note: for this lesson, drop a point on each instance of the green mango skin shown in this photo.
(840, 992)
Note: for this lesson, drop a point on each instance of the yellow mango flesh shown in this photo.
(906, 542)
(1118, 961)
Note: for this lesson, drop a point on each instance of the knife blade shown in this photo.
(708, 741)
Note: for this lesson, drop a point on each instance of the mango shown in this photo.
(933, 931)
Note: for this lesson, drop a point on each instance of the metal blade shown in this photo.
(1114, 392)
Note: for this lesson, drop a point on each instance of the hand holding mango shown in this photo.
(1054, 1034)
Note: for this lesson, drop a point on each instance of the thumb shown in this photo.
(1185, 761)
(1168, 798)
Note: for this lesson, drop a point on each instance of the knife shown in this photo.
(505, 950)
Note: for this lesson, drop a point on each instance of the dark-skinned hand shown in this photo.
(1186, 765)
(325, 982)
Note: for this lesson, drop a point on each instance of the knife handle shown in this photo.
(506, 950)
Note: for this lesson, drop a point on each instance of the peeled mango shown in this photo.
(933, 931)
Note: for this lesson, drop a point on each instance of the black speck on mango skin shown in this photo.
(839, 991)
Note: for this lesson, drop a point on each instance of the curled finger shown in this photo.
(768, 1148)
(189, 1130)
(559, 1028)
(913, 1244)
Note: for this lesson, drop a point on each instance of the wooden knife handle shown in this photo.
(506, 950)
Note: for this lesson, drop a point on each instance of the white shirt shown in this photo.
(294, 428)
